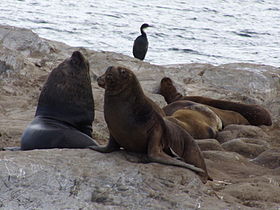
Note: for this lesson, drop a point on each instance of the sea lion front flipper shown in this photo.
(156, 153)
(110, 147)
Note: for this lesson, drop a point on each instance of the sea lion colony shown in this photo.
(65, 113)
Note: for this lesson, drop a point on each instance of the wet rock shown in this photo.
(209, 144)
(238, 131)
(269, 158)
(248, 147)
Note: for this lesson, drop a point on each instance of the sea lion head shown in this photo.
(67, 93)
(168, 90)
(118, 79)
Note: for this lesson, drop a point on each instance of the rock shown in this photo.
(23, 41)
(10, 60)
(76, 179)
(255, 195)
(209, 144)
(238, 131)
(269, 158)
(247, 147)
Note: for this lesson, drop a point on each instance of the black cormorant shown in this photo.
(141, 43)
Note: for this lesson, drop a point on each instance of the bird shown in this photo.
(140, 45)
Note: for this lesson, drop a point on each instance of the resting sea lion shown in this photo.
(65, 110)
(200, 121)
(255, 114)
(138, 125)
(227, 117)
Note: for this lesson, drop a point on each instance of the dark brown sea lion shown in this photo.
(65, 110)
(227, 117)
(255, 114)
(200, 121)
(138, 125)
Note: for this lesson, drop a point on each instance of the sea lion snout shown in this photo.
(166, 80)
(101, 81)
(165, 85)
(79, 60)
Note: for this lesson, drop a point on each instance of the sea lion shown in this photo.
(65, 109)
(255, 114)
(227, 117)
(200, 121)
(139, 125)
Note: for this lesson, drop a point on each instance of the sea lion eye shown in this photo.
(109, 76)
(123, 73)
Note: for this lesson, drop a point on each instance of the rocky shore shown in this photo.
(244, 160)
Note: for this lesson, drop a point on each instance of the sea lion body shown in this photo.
(254, 114)
(65, 109)
(227, 117)
(121, 124)
(200, 121)
(45, 133)
(137, 124)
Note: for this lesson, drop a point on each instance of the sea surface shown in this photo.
(184, 31)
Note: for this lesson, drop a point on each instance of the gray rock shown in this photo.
(23, 41)
(254, 195)
(10, 60)
(209, 144)
(248, 147)
(269, 158)
(238, 131)
(73, 179)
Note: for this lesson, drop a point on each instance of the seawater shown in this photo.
(184, 31)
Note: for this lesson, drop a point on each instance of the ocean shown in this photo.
(206, 31)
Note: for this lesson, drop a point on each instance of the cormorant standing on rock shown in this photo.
(141, 43)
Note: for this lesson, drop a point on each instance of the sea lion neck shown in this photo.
(169, 91)
(171, 96)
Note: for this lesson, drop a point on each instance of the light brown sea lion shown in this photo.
(227, 117)
(255, 114)
(200, 121)
(139, 125)
(65, 110)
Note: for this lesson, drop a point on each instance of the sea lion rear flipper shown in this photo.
(175, 154)
(110, 147)
(156, 153)
(163, 158)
